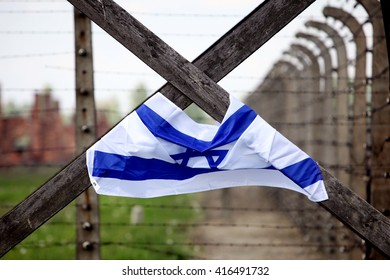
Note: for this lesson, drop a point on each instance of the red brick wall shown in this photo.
(40, 138)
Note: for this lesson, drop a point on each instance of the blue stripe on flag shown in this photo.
(228, 132)
(138, 169)
(133, 168)
(303, 173)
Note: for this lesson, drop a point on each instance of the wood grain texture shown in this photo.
(159, 56)
(216, 62)
(240, 42)
(42, 204)
(357, 214)
(87, 204)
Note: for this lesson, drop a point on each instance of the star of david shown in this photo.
(214, 157)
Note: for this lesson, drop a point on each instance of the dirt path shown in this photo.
(248, 234)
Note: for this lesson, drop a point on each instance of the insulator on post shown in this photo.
(87, 226)
(82, 52)
(85, 128)
(86, 206)
(87, 246)
(83, 91)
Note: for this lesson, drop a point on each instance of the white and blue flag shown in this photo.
(159, 150)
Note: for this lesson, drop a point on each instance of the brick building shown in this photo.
(41, 136)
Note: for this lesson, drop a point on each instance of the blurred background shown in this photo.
(322, 81)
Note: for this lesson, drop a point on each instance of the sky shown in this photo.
(37, 47)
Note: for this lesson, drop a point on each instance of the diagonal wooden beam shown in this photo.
(226, 54)
(64, 187)
(240, 42)
(190, 80)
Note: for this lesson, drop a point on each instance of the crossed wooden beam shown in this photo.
(197, 81)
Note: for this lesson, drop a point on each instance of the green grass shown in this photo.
(159, 236)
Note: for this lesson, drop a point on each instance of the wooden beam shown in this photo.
(87, 204)
(43, 204)
(160, 57)
(357, 214)
(64, 187)
(240, 42)
(226, 55)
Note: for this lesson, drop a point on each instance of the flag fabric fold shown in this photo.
(159, 150)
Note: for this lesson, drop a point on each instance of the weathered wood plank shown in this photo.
(42, 204)
(226, 55)
(87, 204)
(163, 59)
(357, 214)
(240, 42)
(73, 180)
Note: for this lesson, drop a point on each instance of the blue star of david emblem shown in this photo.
(214, 157)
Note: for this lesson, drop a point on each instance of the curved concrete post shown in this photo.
(264, 99)
(277, 92)
(315, 106)
(328, 108)
(269, 100)
(358, 153)
(342, 104)
(300, 114)
(258, 99)
(379, 193)
(287, 73)
(314, 65)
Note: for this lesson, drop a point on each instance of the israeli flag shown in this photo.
(159, 150)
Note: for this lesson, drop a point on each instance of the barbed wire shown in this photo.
(238, 77)
(152, 14)
(44, 244)
(215, 207)
(30, 1)
(147, 246)
(206, 224)
(31, 55)
(270, 92)
(48, 11)
(170, 207)
(70, 32)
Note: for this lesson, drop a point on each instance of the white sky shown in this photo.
(37, 46)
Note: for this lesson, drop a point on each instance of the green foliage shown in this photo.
(156, 237)
(157, 234)
(50, 240)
